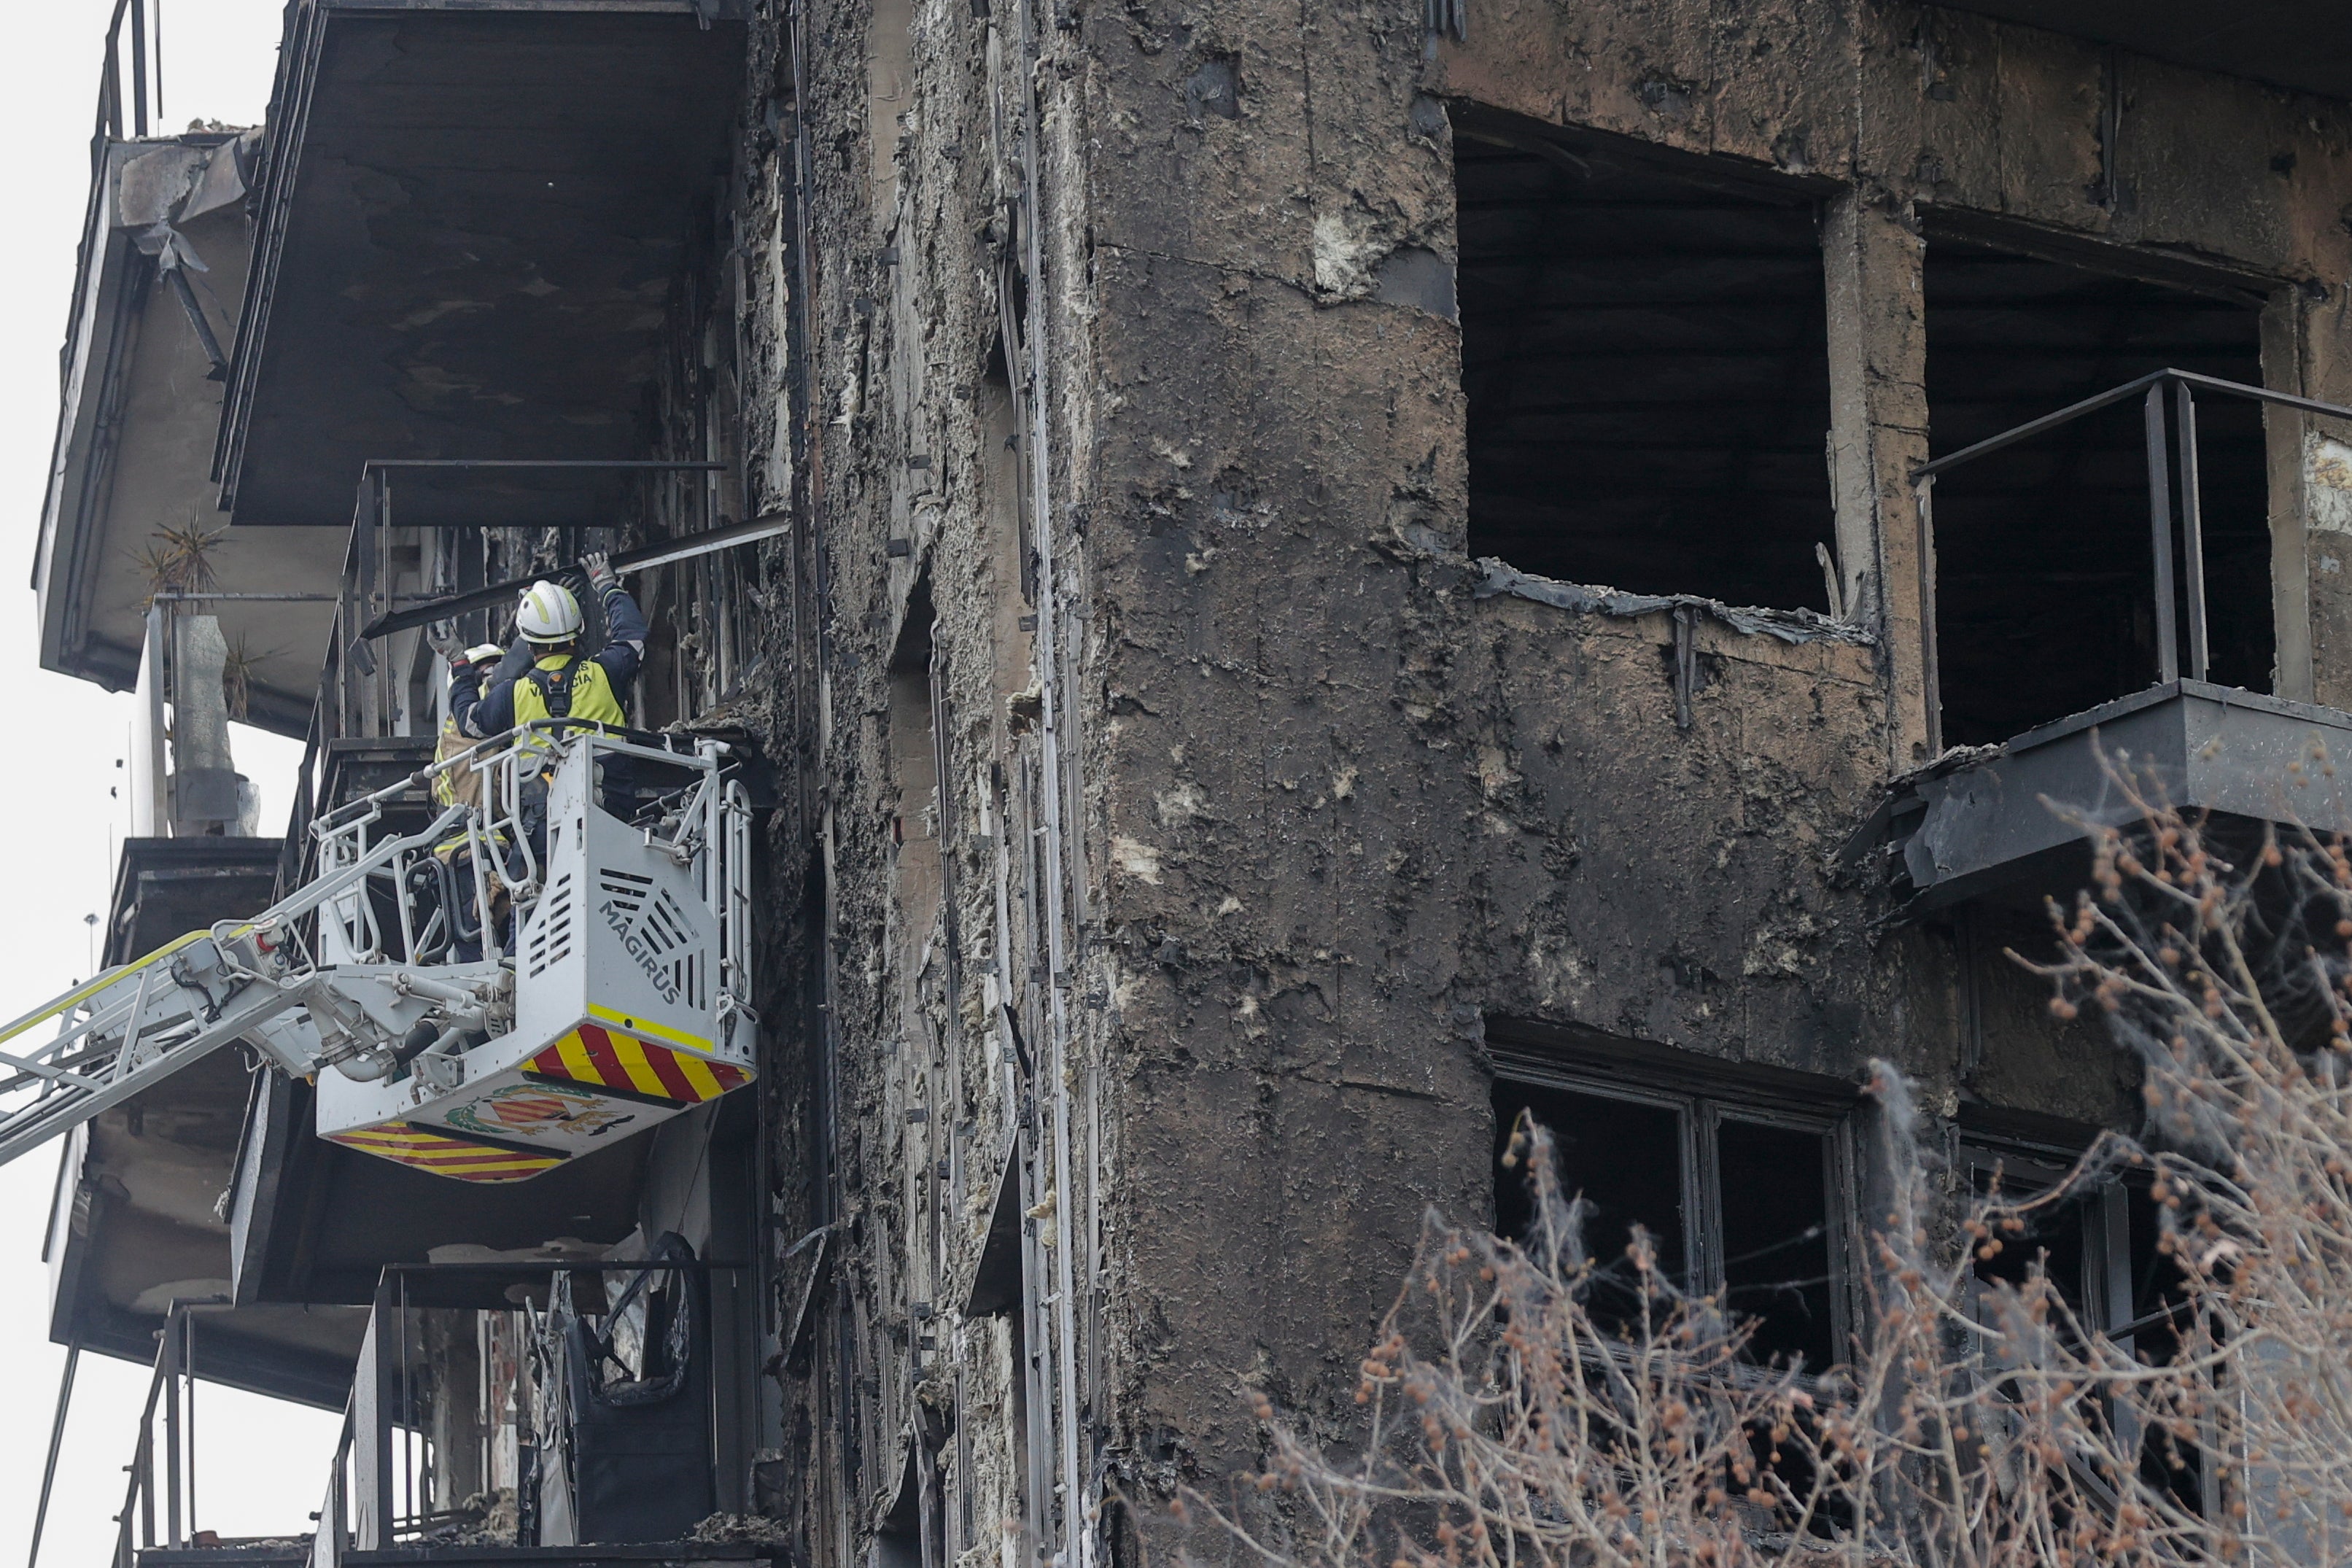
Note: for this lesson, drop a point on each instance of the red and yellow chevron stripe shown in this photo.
(632, 1069)
(447, 1156)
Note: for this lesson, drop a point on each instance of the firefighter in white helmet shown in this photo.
(559, 683)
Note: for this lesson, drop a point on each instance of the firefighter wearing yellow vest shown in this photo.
(558, 683)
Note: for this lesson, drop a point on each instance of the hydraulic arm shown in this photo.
(483, 997)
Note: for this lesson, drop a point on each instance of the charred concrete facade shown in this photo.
(1352, 819)
(1340, 571)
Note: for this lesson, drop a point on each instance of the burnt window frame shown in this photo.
(1742, 182)
(2026, 1170)
(2030, 1164)
(1704, 1095)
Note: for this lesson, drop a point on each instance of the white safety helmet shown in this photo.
(485, 653)
(548, 614)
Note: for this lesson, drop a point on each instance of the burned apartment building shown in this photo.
(1279, 586)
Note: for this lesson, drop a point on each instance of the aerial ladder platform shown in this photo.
(527, 978)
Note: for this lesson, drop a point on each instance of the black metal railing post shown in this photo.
(340, 1516)
(139, 68)
(139, 1494)
(57, 1441)
(341, 662)
(379, 599)
(2192, 529)
(109, 81)
(2160, 527)
(143, 1471)
(374, 1474)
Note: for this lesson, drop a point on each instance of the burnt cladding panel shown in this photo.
(1645, 360)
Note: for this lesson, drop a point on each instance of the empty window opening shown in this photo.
(1645, 360)
(1624, 1158)
(2045, 559)
(1734, 1202)
(2096, 1245)
(905, 1538)
(1776, 1231)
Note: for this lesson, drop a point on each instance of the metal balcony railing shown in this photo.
(2179, 567)
(132, 76)
(172, 1393)
(389, 1486)
(368, 685)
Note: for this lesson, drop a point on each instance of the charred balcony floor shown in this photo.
(2007, 822)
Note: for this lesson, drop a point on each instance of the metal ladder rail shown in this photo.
(60, 1111)
(111, 1068)
(45, 1062)
(137, 1033)
(494, 836)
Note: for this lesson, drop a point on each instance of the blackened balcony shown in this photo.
(2007, 818)
(469, 224)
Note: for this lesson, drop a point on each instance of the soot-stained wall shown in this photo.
(1353, 807)
(1250, 800)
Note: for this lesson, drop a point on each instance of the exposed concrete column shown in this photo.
(453, 1358)
(149, 809)
(204, 775)
(1878, 434)
(2314, 496)
(2285, 432)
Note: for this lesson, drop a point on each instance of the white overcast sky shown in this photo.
(262, 1467)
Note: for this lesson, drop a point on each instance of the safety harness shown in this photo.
(560, 690)
(554, 687)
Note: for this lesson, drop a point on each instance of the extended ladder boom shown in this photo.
(553, 958)
(137, 1024)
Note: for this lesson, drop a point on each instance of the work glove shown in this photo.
(441, 636)
(601, 578)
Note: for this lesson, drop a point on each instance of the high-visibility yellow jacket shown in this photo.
(564, 686)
